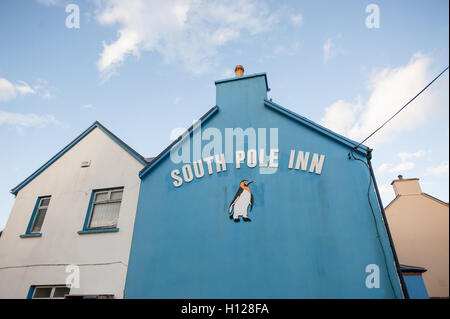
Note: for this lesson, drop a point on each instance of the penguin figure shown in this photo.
(241, 201)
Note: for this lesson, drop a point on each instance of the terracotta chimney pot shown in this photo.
(239, 70)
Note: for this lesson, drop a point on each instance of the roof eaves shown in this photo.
(425, 194)
(436, 199)
(94, 125)
(391, 202)
(156, 160)
(413, 269)
(342, 139)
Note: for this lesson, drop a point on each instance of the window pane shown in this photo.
(38, 220)
(116, 195)
(60, 292)
(42, 293)
(101, 196)
(105, 215)
(45, 202)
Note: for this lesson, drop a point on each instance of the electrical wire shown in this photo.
(351, 155)
(374, 219)
(401, 109)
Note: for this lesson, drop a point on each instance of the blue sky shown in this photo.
(144, 68)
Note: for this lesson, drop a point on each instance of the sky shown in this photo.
(145, 69)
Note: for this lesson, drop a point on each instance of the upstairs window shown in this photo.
(105, 208)
(50, 292)
(39, 215)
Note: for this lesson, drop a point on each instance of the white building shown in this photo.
(74, 215)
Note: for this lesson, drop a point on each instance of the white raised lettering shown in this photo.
(316, 163)
(302, 159)
(177, 179)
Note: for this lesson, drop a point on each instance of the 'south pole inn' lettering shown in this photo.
(298, 160)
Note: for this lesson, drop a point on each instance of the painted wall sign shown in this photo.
(241, 202)
(300, 160)
(307, 222)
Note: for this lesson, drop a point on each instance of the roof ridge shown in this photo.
(161, 155)
(344, 140)
(435, 198)
(75, 141)
(121, 141)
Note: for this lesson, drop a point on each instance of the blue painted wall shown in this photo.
(416, 287)
(311, 236)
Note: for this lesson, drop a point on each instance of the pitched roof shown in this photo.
(212, 111)
(319, 128)
(271, 105)
(436, 199)
(424, 194)
(96, 124)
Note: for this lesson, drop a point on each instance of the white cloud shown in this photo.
(86, 106)
(176, 100)
(340, 116)
(330, 49)
(383, 167)
(283, 50)
(326, 49)
(385, 189)
(403, 167)
(390, 88)
(296, 19)
(187, 31)
(21, 121)
(405, 156)
(9, 91)
(228, 73)
(47, 96)
(441, 169)
(43, 89)
(50, 2)
(23, 88)
(404, 164)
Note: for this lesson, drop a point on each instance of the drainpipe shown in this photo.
(391, 242)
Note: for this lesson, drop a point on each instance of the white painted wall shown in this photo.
(41, 260)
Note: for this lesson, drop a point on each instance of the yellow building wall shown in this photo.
(420, 229)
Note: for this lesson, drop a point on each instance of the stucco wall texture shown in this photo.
(102, 257)
(419, 226)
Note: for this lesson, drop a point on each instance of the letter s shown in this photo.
(177, 179)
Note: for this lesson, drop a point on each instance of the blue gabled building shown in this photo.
(260, 202)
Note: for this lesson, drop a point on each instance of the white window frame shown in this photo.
(41, 199)
(107, 201)
(51, 293)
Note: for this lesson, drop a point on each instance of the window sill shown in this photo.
(95, 231)
(31, 235)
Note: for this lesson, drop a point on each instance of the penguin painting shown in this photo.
(241, 201)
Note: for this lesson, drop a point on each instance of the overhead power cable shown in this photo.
(401, 109)
(372, 182)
